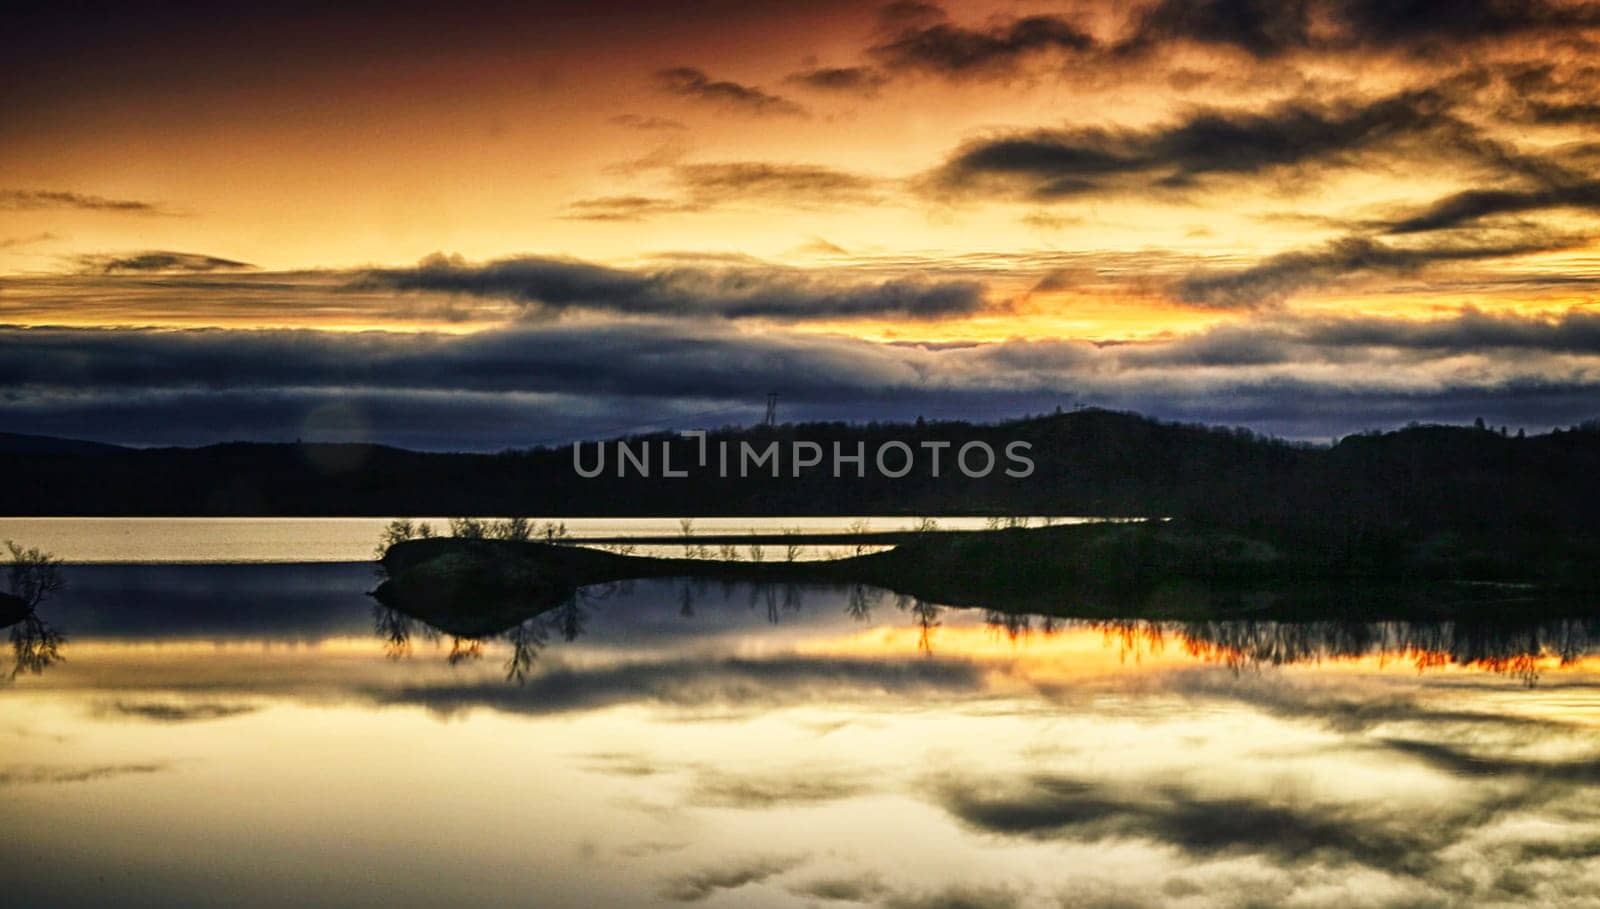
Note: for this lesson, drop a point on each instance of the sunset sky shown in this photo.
(478, 225)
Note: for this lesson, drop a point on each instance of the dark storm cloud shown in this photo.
(637, 358)
(552, 356)
(734, 292)
(1560, 114)
(1278, 277)
(1545, 93)
(1342, 340)
(1465, 20)
(1260, 27)
(690, 82)
(1046, 165)
(922, 37)
(1268, 28)
(1543, 79)
(446, 420)
(424, 420)
(569, 378)
(1467, 207)
(857, 80)
(1576, 331)
(159, 260)
(33, 199)
(945, 48)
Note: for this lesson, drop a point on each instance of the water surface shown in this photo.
(260, 735)
(234, 540)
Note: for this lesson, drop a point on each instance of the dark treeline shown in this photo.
(1088, 462)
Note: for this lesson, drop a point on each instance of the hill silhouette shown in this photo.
(1090, 462)
(19, 443)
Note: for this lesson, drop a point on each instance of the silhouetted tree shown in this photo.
(469, 528)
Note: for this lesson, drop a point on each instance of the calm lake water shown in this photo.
(140, 540)
(260, 735)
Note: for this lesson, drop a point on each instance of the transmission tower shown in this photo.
(772, 409)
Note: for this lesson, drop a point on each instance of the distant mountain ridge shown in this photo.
(1088, 462)
(20, 443)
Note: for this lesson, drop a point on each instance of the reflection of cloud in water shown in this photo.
(1496, 833)
(171, 711)
(700, 683)
(1024, 761)
(16, 775)
(1056, 807)
(961, 896)
(1353, 708)
(620, 764)
(1464, 762)
(730, 875)
(720, 789)
(860, 888)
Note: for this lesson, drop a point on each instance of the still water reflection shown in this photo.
(262, 734)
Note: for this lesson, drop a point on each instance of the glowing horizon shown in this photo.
(877, 178)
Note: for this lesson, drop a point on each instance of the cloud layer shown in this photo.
(735, 292)
(1312, 216)
(689, 82)
(1303, 377)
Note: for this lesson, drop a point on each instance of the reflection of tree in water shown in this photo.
(396, 629)
(1013, 625)
(776, 599)
(768, 595)
(526, 639)
(569, 619)
(861, 602)
(35, 645)
(1523, 650)
(925, 615)
(464, 650)
(1519, 650)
